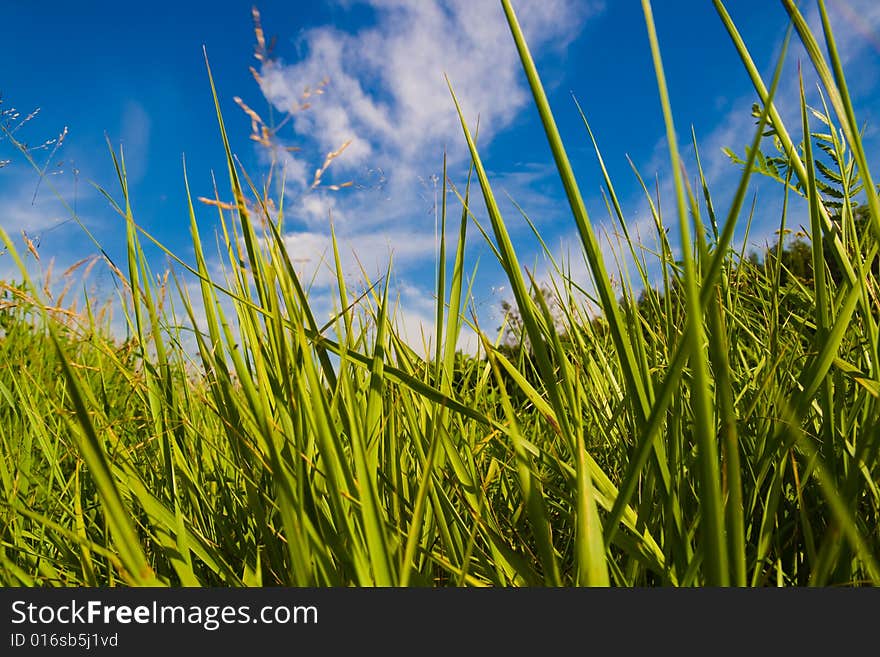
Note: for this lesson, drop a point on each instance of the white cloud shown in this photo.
(388, 94)
(387, 89)
(134, 132)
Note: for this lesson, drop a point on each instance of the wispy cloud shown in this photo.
(387, 94)
(387, 89)
(134, 131)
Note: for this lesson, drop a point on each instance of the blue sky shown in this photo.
(135, 73)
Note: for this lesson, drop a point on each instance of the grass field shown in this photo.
(723, 429)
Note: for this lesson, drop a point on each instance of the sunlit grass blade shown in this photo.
(639, 389)
(715, 552)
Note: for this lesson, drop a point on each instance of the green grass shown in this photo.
(723, 429)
